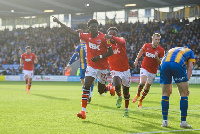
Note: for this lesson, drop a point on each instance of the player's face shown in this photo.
(28, 50)
(93, 27)
(155, 41)
(114, 33)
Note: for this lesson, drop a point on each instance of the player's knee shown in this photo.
(141, 85)
(126, 96)
(86, 87)
(185, 93)
(165, 93)
(146, 90)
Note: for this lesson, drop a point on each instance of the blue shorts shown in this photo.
(82, 73)
(169, 69)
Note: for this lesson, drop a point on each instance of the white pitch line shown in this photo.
(167, 131)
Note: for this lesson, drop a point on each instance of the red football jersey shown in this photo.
(95, 47)
(149, 62)
(118, 61)
(28, 61)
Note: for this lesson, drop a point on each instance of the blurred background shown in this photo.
(29, 23)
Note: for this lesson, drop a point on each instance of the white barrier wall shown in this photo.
(37, 78)
(193, 80)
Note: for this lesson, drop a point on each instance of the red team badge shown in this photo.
(98, 41)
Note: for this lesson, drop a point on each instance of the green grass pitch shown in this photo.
(52, 107)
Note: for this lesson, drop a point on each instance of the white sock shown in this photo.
(83, 109)
(183, 121)
(126, 108)
(165, 121)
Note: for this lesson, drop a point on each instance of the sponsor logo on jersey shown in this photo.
(27, 60)
(150, 55)
(116, 51)
(94, 46)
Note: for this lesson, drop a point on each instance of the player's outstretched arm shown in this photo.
(68, 29)
(21, 62)
(138, 57)
(73, 58)
(119, 40)
(109, 53)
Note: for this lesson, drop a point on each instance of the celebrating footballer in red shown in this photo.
(153, 55)
(28, 59)
(119, 68)
(97, 52)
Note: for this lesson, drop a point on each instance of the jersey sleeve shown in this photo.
(78, 49)
(119, 40)
(22, 56)
(34, 57)
(73, 58)
(144, 47)
(191, 59)
(83, 36)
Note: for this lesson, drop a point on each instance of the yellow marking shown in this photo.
(180, 54)
(165, 100)
(169, 55)
(192, 60)
(2, 78)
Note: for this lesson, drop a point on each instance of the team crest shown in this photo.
(98, 41)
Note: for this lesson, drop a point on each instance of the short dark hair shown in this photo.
(92, 21)
(28, 47)
(112, 28)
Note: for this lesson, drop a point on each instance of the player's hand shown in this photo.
(35, 61)
(55, 19)
(156, 55)
(67, 67)
(96, 58)
(188, 92)
(136, 63)
(107, 36)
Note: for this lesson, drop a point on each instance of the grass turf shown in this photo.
(52, 107)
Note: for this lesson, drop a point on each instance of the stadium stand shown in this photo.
(54, 47)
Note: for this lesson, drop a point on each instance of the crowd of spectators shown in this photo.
(54, 46)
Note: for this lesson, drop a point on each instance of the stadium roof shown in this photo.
(24, 8)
